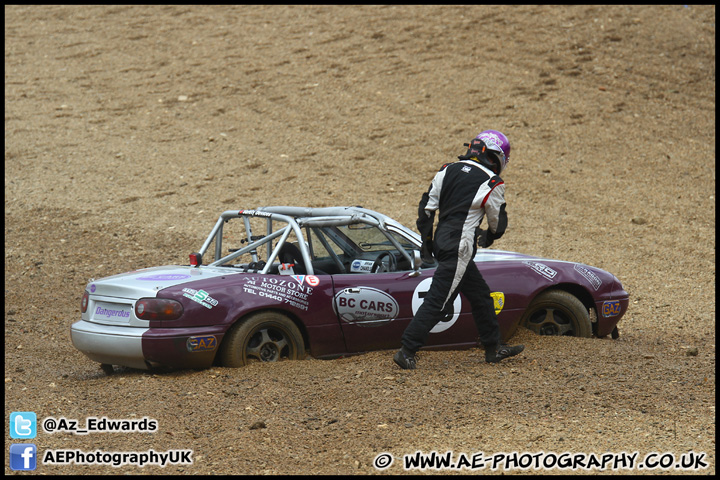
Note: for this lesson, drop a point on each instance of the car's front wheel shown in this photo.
(557, 312)
(265, 337)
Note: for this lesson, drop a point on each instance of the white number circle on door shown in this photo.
(419, 297)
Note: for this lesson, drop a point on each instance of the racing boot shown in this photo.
(495, 353)
(405, 359)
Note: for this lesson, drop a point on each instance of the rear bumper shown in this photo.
(110, 344)
(143, 348)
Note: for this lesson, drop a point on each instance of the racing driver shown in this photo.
(462, 193)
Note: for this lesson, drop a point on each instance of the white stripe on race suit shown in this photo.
(464, 257)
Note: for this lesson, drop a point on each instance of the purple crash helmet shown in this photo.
(497, 142)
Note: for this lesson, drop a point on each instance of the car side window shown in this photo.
(371, 244)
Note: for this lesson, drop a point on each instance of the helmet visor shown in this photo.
(496, 152)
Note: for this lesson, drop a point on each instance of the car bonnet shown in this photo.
(485, 255)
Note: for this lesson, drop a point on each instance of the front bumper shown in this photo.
(609, 313)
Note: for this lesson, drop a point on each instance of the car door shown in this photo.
(373, 309)
(374, 306)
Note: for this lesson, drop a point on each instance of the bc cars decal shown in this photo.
(419, 297)
(589, 276)
(611, 308)
(201, 344)
(365, 306)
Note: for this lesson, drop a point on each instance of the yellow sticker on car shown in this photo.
(498, 300)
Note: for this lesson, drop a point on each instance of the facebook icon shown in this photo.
(23, 456)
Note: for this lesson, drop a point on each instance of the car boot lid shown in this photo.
(148, 281)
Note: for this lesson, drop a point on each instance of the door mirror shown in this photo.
(416, 262)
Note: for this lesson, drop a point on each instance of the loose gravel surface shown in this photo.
(128, 129)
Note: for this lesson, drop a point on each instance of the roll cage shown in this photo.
(322, 225)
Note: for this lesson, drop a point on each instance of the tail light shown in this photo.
(158, 309)
(84, 302)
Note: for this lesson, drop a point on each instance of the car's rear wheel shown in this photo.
(264, 337)
(557, 312)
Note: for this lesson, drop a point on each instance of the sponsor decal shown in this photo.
(311, 280)
(254, 213)
(498, 300)
(541, 269)
(365, 306)
(361, 266)
(611, 308)
(466, 169)
(108, 313)
(201, 344)
(200, 296)
(589, 275)
(165, 277)
(282, 290)
(92, 288)
(419, 297)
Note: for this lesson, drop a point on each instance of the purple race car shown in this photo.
(283, 281)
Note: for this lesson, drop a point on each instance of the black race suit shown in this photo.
(463, 192)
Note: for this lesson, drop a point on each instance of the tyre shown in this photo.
(557, 312)
(264, 337)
